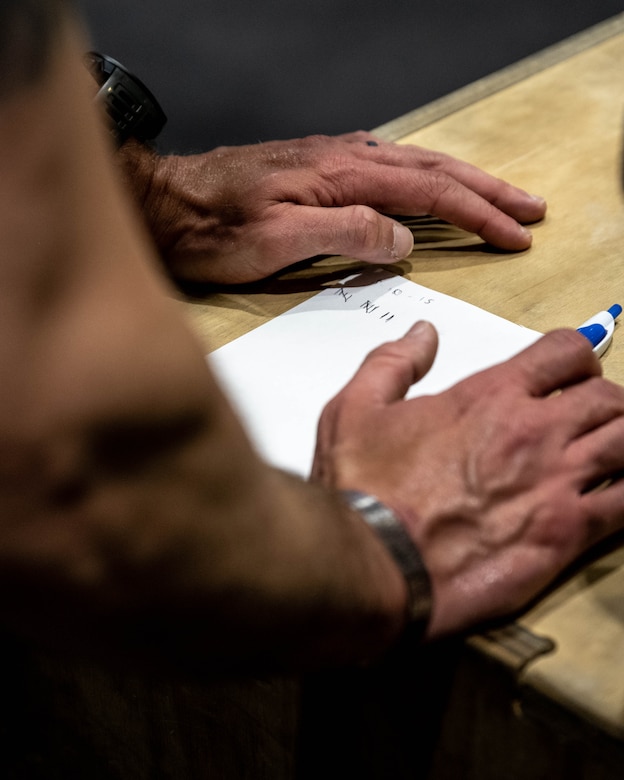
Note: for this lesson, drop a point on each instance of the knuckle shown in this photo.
(489, 388)
(308, 148)
(316, 138)
(390, 357)
(434, 185)
(389, 351)
(362, 135)
(363, 229)
(331, 416)
(430, 160)
(335, 174)
(527, 430)
(571, 342)
(612, 392)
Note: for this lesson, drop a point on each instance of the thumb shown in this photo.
(389, 371)
(356, 231)
(367, 235)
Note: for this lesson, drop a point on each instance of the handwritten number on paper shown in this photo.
(369, 307)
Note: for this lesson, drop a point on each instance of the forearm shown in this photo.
(196, 553)
(135, 516)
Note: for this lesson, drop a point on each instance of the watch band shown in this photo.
(400, 545)
(132, 108)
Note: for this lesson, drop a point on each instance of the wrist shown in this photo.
(397, 541)
(147, 176)
(138, 164)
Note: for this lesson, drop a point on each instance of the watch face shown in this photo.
(131, 107)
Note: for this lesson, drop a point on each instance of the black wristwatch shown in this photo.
(133, 111)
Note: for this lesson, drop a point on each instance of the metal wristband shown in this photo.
(402, 549)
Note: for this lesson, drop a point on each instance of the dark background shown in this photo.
(243, 72)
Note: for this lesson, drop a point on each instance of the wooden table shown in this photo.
(555, 131)
(543, 696)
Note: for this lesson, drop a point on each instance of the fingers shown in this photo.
(521, 205)
(559, 359)
(514, 201)
(594, 411)
(605, 508)
(406, 191)
(588, 407)
(389, 371)
(589, 410)
(599, 455)
(337, 199)
(454, 202)
(363, 233)
(409, 180)
(359, 232)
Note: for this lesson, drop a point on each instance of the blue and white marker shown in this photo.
(599, 328)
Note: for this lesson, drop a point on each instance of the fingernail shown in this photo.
(527, 233)
(403, 242)
(538, 199)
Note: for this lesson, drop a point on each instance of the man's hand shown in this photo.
(500, 480)
(238, 214)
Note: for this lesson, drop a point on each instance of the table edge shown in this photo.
(495, 82)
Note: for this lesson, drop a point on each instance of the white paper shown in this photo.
(280, 375)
